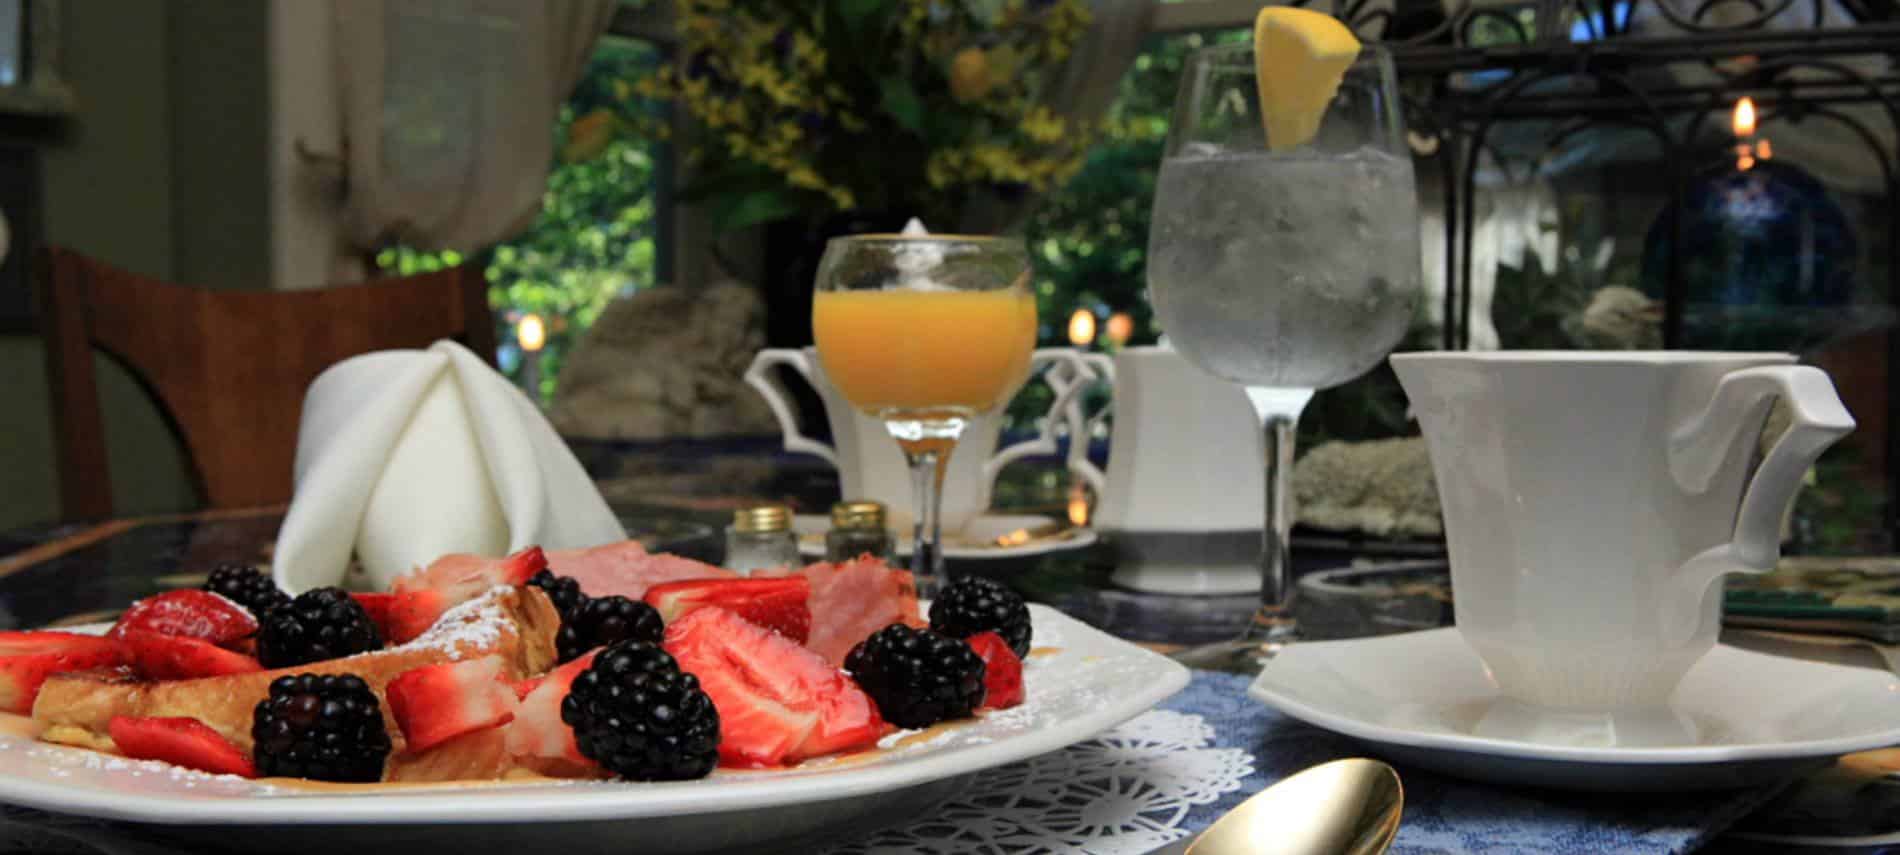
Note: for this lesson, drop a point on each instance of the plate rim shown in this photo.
(1352, 726)
(567, 801)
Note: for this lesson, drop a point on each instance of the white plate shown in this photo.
(1091, 683)
(977, 541)
(1419, 697)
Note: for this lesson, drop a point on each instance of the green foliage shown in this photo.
(919, 107)
(594, 238)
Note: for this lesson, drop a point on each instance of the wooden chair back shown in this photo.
(228, 368)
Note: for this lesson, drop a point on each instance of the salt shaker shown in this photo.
(761, 538)
(857, 528)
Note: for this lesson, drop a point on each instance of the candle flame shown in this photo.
(1081, 327)
(1744, 120)
(1120, 327)
(1763, 151)
(531, 333)
(1078, 506)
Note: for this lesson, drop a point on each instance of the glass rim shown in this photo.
(1219, 56)
(897, 237)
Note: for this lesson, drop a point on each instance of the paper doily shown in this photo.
(1126, 791)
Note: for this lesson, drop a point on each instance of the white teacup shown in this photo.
(869, 463)
(1184, 497)
(1591, 506)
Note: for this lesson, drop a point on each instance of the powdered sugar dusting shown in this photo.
(471, 627)
(64, 761)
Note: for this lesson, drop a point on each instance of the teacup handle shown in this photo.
(1068, 374)
(760, 376)
(1698, 448)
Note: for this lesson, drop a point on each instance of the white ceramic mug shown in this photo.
(1184, 497)
(869, 463)
(1594, 500)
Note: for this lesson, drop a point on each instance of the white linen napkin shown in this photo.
(407, 455)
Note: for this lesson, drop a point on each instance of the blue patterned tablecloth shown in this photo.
(1447, 815)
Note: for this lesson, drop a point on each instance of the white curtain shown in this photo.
(445, 110)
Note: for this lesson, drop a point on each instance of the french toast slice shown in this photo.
(519, 624)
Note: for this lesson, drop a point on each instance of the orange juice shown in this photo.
(924, 352)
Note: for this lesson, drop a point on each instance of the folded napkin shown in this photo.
(1445, 814)
(406, 455)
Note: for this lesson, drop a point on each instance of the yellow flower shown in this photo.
(969, 75)
(588, 136)
(1042, 126)
(806, 52)
(803, 176)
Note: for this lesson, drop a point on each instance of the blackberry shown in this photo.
(325, 623)
(244, 585)
(326, 727)
(917, 677)
(974, 604)
(564, 592)
(605, 620)
(637, 714)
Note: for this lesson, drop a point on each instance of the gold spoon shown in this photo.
(1346, 807)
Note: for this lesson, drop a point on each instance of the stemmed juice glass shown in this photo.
(1288, 268)
(924, 333)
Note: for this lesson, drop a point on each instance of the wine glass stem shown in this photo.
(926, 485)
(1276, 559)
(1279, 411)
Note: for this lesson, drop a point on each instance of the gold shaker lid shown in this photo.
(858, 513)
(762, 518)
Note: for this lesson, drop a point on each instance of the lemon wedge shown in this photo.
(1300, 56)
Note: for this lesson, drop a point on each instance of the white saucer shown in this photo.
(976, 542)
(1418, 698)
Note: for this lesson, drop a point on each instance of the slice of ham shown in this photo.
(849, 601)
(627, 569)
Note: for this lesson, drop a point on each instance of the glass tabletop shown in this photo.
(59, 575)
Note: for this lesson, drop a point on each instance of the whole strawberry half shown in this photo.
(436, 703)
(28, 658)
(1002, 671)
(778, 702)
(167, 657)
(179, 741)
(780, 604)
(187, 613)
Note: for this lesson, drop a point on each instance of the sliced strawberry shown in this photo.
(1002, 671)
(779, 604)
(538, 731)
(516, 569)
(527, 687)
(410, 613)
(165, 657)
(778, 702)
(436, 703)
(378, 606)
(421, 596)
(28, 658)
(179, 741)
(461, 577)
(187, 613)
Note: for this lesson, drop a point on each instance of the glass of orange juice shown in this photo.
(924, 332)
